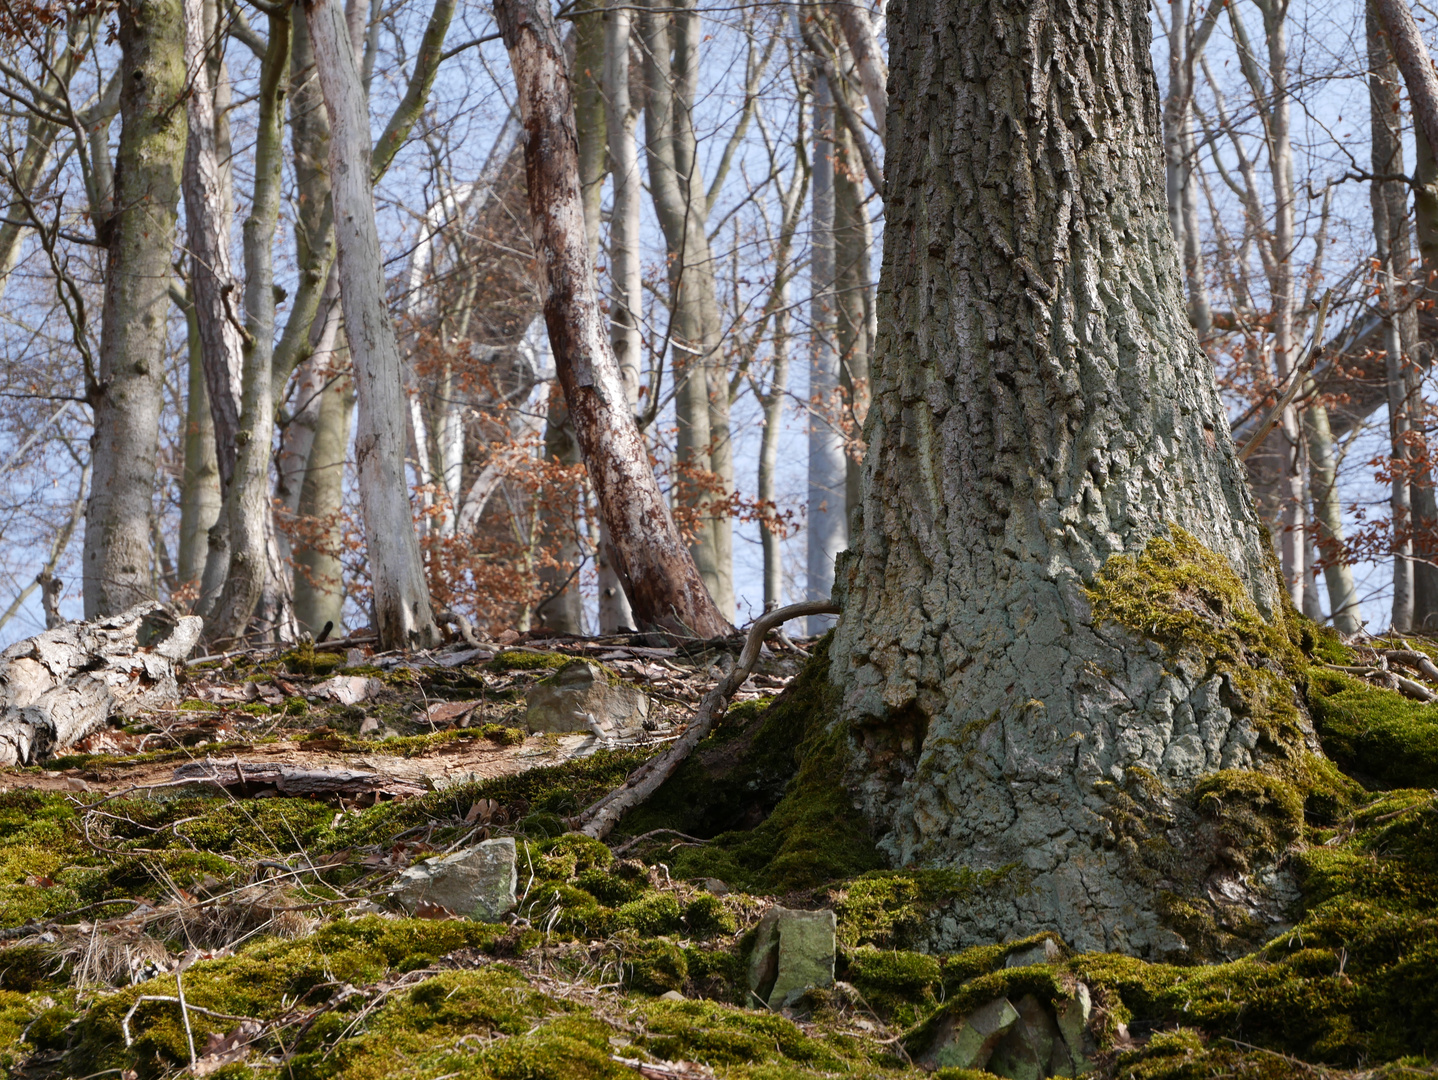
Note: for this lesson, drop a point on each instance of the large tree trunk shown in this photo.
(659, 576)
(1042, 406)
(141, 239)
(401, 594)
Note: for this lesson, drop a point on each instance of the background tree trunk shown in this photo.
(660, 578)
(200, 483)
(1043, 406)
(626, 297)
(319, 573)
(828, 532)
(141, 240)
(401, 594)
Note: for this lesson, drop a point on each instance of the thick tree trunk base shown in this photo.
(1094, 779)
(61, 685)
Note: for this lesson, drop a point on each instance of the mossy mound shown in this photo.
(765, 790)
(1376, 735)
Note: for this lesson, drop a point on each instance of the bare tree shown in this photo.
(660, 578)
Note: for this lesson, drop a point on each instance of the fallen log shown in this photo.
(258, 779)
(59, 686)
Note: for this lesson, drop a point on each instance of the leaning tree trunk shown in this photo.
(1041, 407)
(401, 594)
(141, 239)
(659, 575)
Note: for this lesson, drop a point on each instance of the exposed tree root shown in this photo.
(599, 819)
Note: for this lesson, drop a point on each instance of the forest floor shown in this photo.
(178, 897)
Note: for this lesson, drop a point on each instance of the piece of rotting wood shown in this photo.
(59, 686)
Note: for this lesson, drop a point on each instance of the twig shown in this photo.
(125, 1023)
(599, 819)
(1295, 383)
(185, 1014)
(622, 848)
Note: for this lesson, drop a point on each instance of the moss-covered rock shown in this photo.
(1376, 735)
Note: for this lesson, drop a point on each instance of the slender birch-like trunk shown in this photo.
(858, 27)
(247, 514)
(659, 576)
(1390, 231)
(140, 239)
(200, 498)
(626, 281)
(1328, 519)
(319, 572)
(827, 532)
(402, 605)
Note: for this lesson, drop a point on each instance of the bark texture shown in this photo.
(401, 594)
(1040, 405)
(141, 238)
(659, 575)
(59, 686)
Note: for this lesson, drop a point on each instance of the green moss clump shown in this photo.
(889, 908)
(899, 986)
(706, 914)
(305, 659)
(1379, 736)
(652, 915)
(525, 660)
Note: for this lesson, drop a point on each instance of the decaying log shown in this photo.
(59, 686)
(264, 778)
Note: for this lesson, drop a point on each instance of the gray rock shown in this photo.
(578, 698)
(793, 954)
(369, 726)
(349, 689)
(1071, 1050)
(967, 1042)
(1028, 1048)
(1045, 952)
(477, 882)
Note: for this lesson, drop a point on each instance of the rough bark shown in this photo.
(401, 594)
(853, 302)
(1410, 53)
(827, 532)
(59, 686)
(1042, 406)
(141, 238)
(659, 576)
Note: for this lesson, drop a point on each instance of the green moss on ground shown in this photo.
(1377, 735)
(528, 660)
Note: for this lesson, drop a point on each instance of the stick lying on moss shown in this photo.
(599, 819)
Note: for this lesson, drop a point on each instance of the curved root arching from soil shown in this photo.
(598, 820)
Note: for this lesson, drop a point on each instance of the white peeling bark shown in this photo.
(401, 593)
(1042, 405)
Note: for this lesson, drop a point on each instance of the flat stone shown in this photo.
(672, 995)
(349, 689)
(477, 882)
(578, 698)
(967, 1042)
(793, 954)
